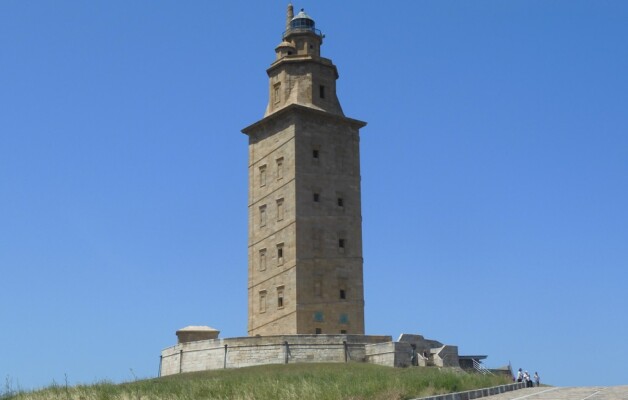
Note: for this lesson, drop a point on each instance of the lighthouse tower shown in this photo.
(305, 223)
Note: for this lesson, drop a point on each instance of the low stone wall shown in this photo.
(476, 394)
(392, 354)
(250, 351)
(446, 356)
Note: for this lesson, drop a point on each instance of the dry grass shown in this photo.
(286, 382)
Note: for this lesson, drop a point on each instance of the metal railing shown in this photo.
(481, 368)
(302, 29)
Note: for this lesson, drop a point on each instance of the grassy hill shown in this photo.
(286, 382)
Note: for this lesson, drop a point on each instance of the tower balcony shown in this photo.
(302, 29)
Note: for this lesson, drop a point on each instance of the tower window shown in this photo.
(341, 202)
(277, 92)
(318, 331)
(280, 209)
(262, 176)
(344, 319)
(280, 253)
(317, 197)
(280, 168)
(262, 301)
(318, 316)
(342, 288)
(280, 297)
(321, 91)
(262, 215)
(315, 154)
(262, 260)
(343, 331)
(342, 243)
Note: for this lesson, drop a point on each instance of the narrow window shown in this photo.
(344, 319)
(262, 215)
(318, 331)
(321, 91)
(262, 260)
(315, 154)
(280, 168)
(280, 253)
(277, 92)
(343, 331)
(341, 202)
(342, 242)
(262, 176)
(342, 288)
(262, 301)
(317, 197)
(280, 297)
(280, 209)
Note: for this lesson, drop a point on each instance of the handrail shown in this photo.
(481, 368)
(302, 29)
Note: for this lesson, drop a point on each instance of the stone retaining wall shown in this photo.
(391, 354)
(250, 351)
(476, 394)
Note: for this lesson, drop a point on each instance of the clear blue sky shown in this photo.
(494, 171)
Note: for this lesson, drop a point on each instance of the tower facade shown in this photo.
(305, 223)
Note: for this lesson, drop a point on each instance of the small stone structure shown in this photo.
(196, 333)
(215, 353)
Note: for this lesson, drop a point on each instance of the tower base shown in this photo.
(238, 352)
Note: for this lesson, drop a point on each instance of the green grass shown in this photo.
(279, 382)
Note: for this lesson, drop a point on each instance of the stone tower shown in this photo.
(305, 222)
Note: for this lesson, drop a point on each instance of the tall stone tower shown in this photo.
(305, 222)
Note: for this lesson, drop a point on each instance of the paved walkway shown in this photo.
(566, 393)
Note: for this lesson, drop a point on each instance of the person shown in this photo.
(519, 375)
(537, 379)
(526, 378)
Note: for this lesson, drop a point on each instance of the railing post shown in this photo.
(224, 362)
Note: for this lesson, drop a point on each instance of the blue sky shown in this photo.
(494, 173)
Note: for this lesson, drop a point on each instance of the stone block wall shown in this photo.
(250, 351)
(446, 356)
(478, 393)
(391, 354)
